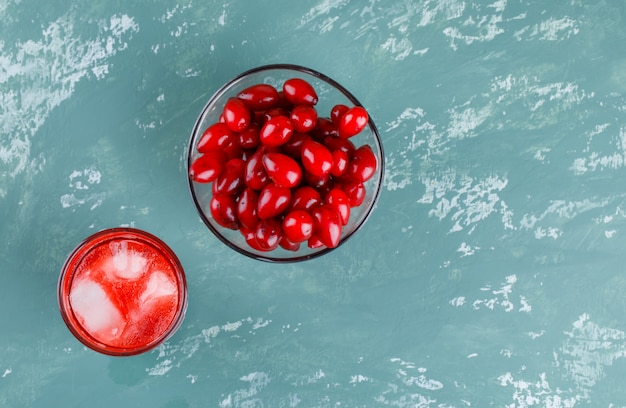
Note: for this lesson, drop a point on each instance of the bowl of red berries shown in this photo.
(284, 164)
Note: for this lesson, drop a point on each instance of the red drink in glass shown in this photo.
(122, 292)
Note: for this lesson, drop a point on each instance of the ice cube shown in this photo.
(155, 308)
(95, 310)
(159, 285)
(127, 263)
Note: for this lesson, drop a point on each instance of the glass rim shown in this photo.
(85, 247)
(190, 148)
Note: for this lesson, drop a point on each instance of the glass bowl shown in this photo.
(330, 93)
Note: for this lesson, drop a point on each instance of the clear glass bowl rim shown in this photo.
(223, 89)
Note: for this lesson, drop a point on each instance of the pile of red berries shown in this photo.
(282, 174)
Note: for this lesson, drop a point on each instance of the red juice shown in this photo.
(122, 292)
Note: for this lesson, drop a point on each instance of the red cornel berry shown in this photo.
(316, 158)
(276, 131)
(236, 115)
(215, 137)
(281, 173)
(207, 167)
(353, 122)
(259, 96)
(304, 118)
(282, 169)
(298, 226)
(299, 92)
